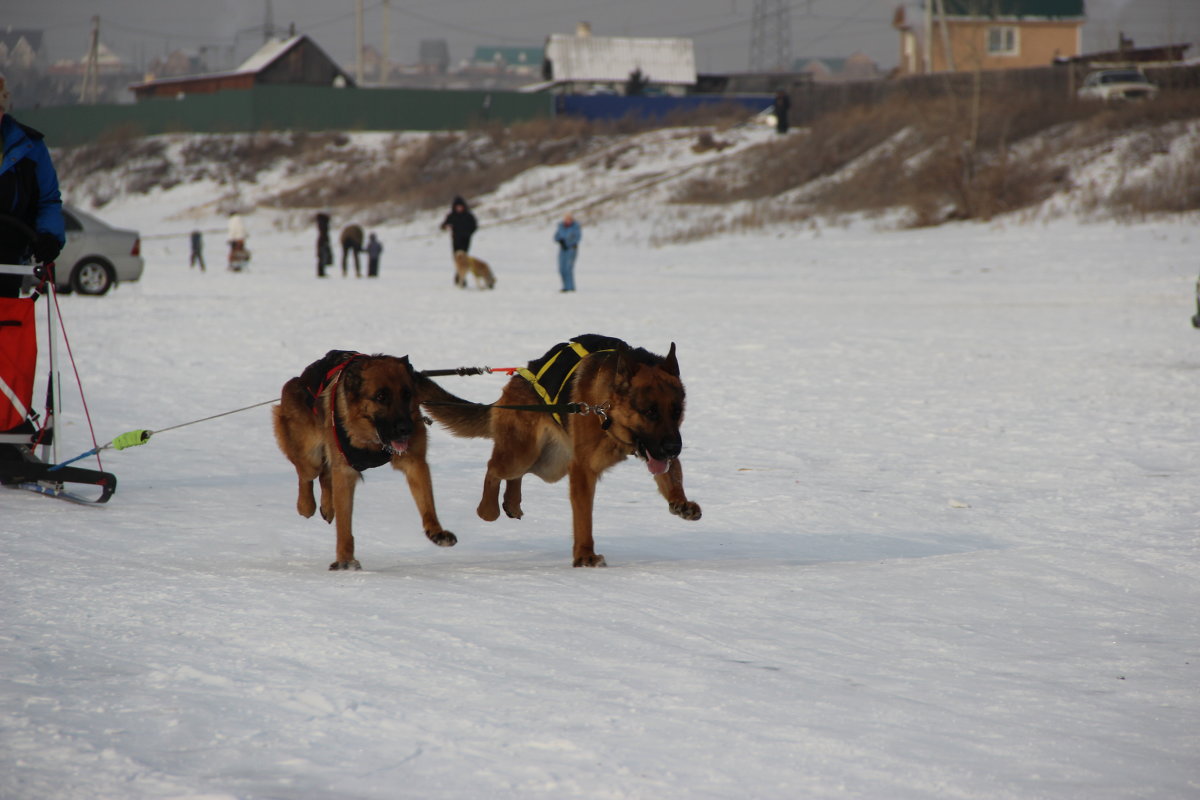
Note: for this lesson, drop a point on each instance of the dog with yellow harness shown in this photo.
(634, 404)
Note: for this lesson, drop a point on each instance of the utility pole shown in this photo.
(771, 37)
(947, 51)
(90, 89)
(269, 24)
(927, 36)
(358, 41)
(385, 68)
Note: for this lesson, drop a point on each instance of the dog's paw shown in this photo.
(514, 512)
(488, 512)
(594, 560)
(687, 510)
(339, 565)
(442, 538)
(306, 507)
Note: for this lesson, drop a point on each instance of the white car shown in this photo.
(96, 256)
(1117, 84)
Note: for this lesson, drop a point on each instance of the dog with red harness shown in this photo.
(347, 413)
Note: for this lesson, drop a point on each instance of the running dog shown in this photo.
(465, 263)
(346, 413)
(634, 401)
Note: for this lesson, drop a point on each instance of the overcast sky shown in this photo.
(140, 30)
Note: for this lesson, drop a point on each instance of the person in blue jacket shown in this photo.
(568, 235)
(29, 194)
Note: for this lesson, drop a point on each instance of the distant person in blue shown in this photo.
(29, 195)
(374, 251)
(568, 235)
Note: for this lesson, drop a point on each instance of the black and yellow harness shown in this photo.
(550, 375)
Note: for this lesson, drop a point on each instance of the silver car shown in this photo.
(1117, 84)
(96, 256)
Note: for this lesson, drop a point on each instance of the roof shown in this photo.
(262, 58)
(1015, 9)
(613, 58)
(12, 36)
(266, 54)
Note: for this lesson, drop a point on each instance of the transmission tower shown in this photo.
(269, 23)
(771, 37)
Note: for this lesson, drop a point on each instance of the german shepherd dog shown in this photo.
(638, 399)
(465, 264)
(346, 413)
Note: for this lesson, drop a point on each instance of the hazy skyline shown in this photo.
(141, 30)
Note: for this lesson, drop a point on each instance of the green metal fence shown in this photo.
(277, 108)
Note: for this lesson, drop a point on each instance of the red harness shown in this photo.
(359, 458)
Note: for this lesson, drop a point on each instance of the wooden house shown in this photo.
(296, 60)
(968, 35)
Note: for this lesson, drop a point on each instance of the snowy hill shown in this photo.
(669, 185)
(948, 544)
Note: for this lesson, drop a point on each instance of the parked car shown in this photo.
(97, 256)
(1117, 84)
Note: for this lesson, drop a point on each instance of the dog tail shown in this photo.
(461, 417)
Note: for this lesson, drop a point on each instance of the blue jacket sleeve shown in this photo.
(49, 216)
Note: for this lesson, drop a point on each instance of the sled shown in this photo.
(28, 445)
(239, 258)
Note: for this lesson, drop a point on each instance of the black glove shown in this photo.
(563, 245)
(46, 247)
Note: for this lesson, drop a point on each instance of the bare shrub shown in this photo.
(112, 150)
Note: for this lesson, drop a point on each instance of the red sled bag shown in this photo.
(18, 360)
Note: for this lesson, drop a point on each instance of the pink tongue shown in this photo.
(400, 445)
(655, 466)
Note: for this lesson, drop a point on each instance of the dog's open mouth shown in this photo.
(396, 447)
(657, 466)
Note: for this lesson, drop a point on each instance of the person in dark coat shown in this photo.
(324, 248)
(461, 224)
(352, 244)
(374, 251)
(29, 195)
(781, 108)
(197, 256)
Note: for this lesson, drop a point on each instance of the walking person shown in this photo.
(352, 244)
(568, 236)
(462, 226)
(237, 242)
(780, 108)
(197, 256)
(374, 250)
(29, 194)
(324, 248)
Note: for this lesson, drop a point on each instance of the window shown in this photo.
(1002, 41)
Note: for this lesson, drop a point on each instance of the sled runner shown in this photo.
(28, 445)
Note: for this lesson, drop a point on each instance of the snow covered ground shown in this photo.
(949, 545)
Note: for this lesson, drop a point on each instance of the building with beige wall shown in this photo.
(966, 35)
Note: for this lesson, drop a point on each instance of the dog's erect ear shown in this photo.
(624, 369)
(404, 360)
(352, 378)
(670, 364)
